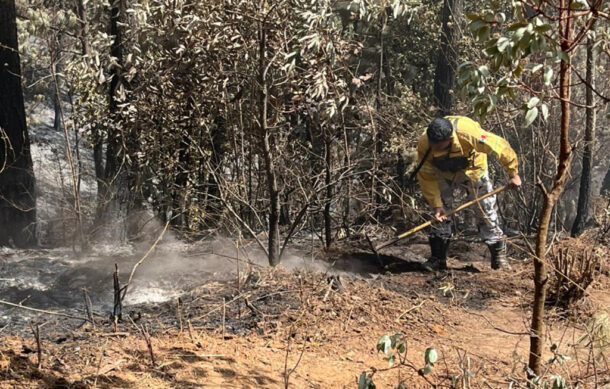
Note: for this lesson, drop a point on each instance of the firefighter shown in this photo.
(453, 151)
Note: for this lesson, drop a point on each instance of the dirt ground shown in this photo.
(320, 330)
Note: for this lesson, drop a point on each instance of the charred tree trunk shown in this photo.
(267, 146)
(584, 196)
(218, 140)
(17, 184)
(179, 192)
(328, 232)
(444, 76)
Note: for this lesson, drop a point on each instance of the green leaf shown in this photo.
(384, 344)
(484, 70)
(533, 102)
(391, 360)
(491, 51)
(464, 65)
(483, 33)
(544, 110)
(502, 44)
(558, 382)
(430, 356)
(519, 34)
(395, 338)
(426, 370)
(476, 25)
(530, 116)
(578, 4)
(402, 347)
(548, 75)
(518, 70)
(537, 67)
(554, 348)
(543, 28)
(516, 26)
(562, 55)
(365, 382)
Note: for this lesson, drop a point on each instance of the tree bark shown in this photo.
(17, 183)
(550, 198)
(444, 76)
(267, 145)
(98, 138)
(112, 212)
(328, 232)
(377, 186)
(584, 195)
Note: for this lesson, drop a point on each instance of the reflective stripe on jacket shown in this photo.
(470, 141)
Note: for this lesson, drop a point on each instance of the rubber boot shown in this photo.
(438, 257)
(499, 259)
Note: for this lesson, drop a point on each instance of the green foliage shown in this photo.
(392, 346)
(521, 55)
(365, 381)
(430, 358)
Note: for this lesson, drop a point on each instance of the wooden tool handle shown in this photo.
(434, 221)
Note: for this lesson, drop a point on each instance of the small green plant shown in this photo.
(430, 358)
(557, 357)
(365, 381)
(558, 382)
(394, 349)
(393, 346)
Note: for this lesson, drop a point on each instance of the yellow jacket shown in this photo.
(470, 141)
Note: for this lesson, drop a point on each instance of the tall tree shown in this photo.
(584, 195)
(112, 213)
(524, 41)
(444, 77)
(17, 192)
(268, 139)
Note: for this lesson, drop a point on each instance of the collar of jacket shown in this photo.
(454, 151)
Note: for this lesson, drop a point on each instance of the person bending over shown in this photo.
(454, 151)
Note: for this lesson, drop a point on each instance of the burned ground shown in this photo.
(250, 333)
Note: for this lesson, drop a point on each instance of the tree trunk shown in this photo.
(444, 76)
(606, 182)
(584, 196)
(98, 138)
(112, 212)
(328, 232)
(267, 140)
(377, 186)
(17, 183)
(550, 198)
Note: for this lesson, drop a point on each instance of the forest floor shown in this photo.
(320, 330)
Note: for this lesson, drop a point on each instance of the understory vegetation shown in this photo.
(278, 120)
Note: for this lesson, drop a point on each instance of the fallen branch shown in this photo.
(150, 250)
(411, 309)
(498, 328)
(41, 310)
